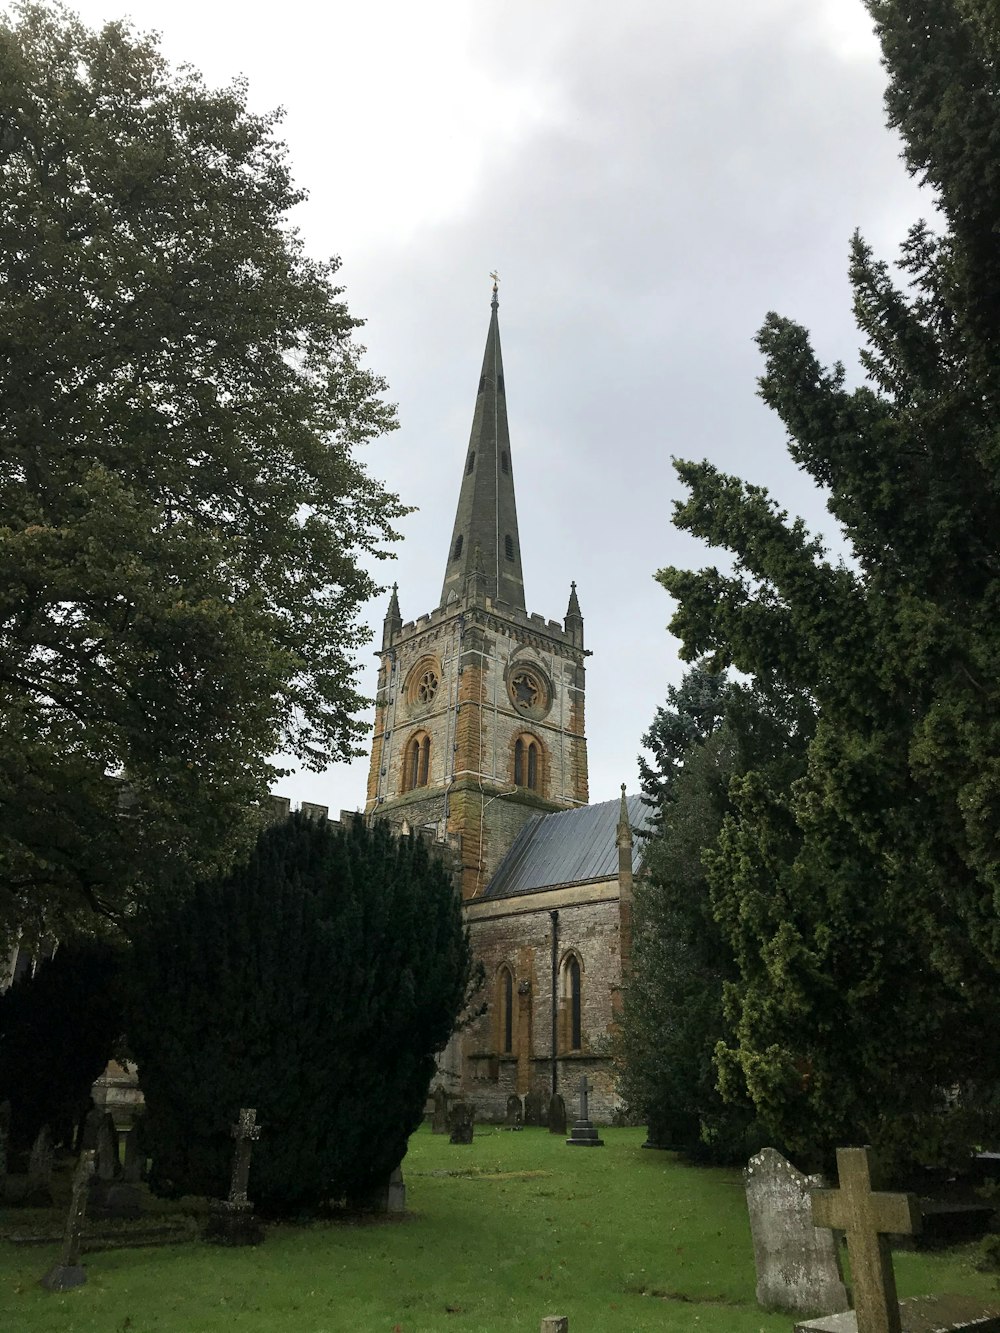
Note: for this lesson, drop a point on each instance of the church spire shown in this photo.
(486, 518)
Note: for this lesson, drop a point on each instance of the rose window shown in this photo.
(427, 687)
(526, 691)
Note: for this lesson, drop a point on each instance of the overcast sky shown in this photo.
(649, 179)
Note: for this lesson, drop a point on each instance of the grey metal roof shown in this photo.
(569, 847)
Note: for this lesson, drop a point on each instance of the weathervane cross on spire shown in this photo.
(496, 278)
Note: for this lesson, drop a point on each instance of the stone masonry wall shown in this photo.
(523, 941)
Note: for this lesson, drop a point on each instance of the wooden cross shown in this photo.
(583, 1088)
(245, 1132)
(867, 1218)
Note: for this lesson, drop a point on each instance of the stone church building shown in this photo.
(480, 742)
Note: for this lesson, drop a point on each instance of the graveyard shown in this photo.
(497, 1235)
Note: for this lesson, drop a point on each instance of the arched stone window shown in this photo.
(505, 1011)
(459, 540)
(571, 1004)
(528, 763)
(508, 546)
(417, 762)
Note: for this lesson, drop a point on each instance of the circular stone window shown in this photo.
(427, 687)
(422, 684)
(528, 691)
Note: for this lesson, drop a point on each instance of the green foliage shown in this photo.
(862, 902)
(316, 984)
(710, 732)
(181, 509)
(58, 1029)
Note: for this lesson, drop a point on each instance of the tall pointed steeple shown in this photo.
(486, 518)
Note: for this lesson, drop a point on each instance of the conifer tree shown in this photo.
(863, 902)
(316, 983)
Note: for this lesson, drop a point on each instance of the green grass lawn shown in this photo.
(500, 1233)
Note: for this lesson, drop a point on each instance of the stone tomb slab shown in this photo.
(920, 1314)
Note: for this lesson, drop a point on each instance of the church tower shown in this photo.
(479, 723)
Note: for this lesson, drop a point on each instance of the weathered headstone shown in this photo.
(132, 1166)
(69, 1272)
(557, 1114)
(231, 1221)
(439, 1120)
(583, 1134)
(108, 1162)
(555, 1323)
(533, 1107)
(462, 1120)
(798, 1269)
(515, 1116)
(38, 1192)
(388, 1197)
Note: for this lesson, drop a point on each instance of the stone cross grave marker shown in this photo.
(867, 1218)
(69, 1272)
(584, 1088)
(246, 1131)
(583, 1134)
(797, 1263)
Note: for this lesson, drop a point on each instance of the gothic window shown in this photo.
(417, 762)
(458, 547)
(505, 460)
(571, 1016)
(471, 463)
(500, 383)
(508, 546)
(505, 1011)
(527, 763)
(427, 686)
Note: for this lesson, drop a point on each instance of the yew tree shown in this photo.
(315, 984)
(863, 901)
(183, 514)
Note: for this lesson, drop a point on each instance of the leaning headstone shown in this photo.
(533, 1107)
(798, 1269)
(69, 1272)
(439, 1120)
(514, 1117)
(231, 1221)
(462, 1120)
(557, 1114)
(583, 1134)
(38, 1192)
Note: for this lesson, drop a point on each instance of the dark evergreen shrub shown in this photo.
(58, 1030)
(315, 984)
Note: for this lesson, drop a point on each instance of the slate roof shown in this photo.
(569, 847)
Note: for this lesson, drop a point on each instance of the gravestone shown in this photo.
(38, 1192)
(108, 1163)
(439, 1119)
(462, 1120)
(69, 1272)
(869, 1218)
(132, 1166)
(798, 1269)
(110, 1196)
(514, 1117)
(533, 1107)
(557, 1114)
(583, 1134)
(555, 1323)
(388, 1197)
(231, 1221)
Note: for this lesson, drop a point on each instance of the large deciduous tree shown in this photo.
(863, 901)
(315, 984)
(182, 513)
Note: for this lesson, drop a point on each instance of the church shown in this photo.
(480, 744)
